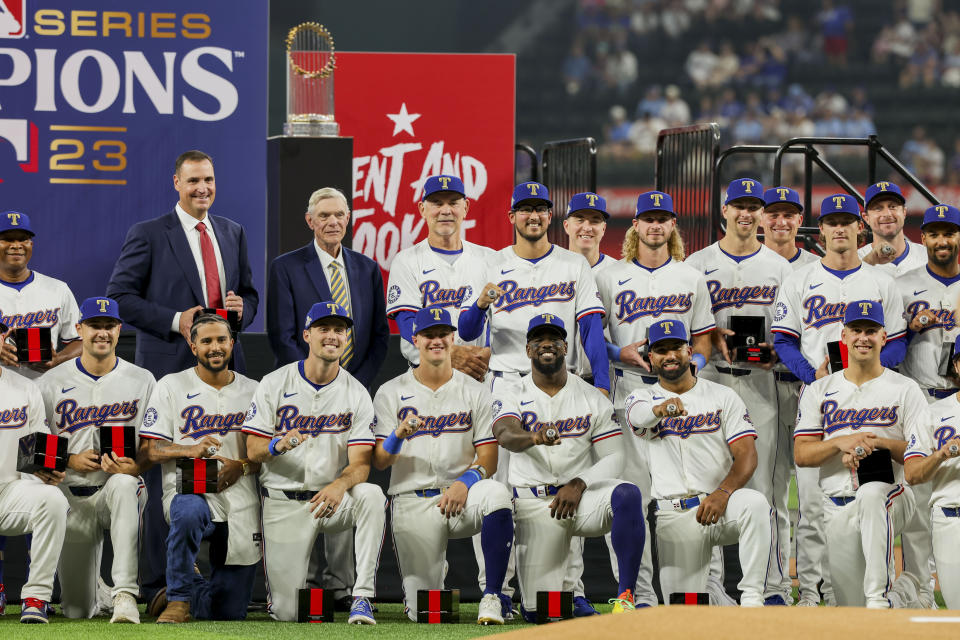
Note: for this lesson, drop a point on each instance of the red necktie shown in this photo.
(210, 273)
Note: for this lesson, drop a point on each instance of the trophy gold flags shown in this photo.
(311, 59)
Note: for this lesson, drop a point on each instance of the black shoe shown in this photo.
(343, 604)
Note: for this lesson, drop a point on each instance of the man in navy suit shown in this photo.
(326, 270)
(169, 268)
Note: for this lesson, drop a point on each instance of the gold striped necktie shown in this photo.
(338, 290)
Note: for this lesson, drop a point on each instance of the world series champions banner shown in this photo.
(98, 99)
(417, 115)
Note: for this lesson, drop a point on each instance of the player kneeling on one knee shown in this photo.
(311, 426)
(701, 455)
(434, 429)
(852, 425)
(564, 476)
(198, 413)
(102, 486)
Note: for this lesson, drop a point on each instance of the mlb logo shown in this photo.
(13, 18)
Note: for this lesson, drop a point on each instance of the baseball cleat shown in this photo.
(622, 603)
(33, 611)
(490, 610)
(125, 609)
(361, 612)
(582, 608)
(807, 602)
(104, 598)
(507, 610)
(775, 601)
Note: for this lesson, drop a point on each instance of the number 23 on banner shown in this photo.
(87, 152)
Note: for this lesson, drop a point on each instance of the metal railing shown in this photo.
(567, 167)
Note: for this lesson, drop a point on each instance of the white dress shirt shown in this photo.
(326, 260)
(189, 224)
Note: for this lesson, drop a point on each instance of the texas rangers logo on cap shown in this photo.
(782, 195)
(883, 189)
(588, 201)
(327, 309)
(530, 191)
(863, 310)
(435, 184)
(546, 320)
(941, 213)
(654, 201)
(744, 188)
(99, 307)
(839, 203)
(15, 221)
(667, 330)
(431, 317)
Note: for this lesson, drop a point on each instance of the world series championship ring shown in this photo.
(954, 449)
(211, 451)
(551, 434)
(671, 408)
(492, 294)
(294, 441)
(860, 452)
(923, 320)
(886, 250)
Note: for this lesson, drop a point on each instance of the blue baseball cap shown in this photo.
(883, 189)
(431, 317)
(434, 184)
(866, 310)
(941, 213)
(326, 309)
(743, 188)
(654, 201)
(530, 191)
(15, 221)
(546, 320)
(589, 201)
(99, 307)
(839, 203)
(667, 330)
(782, 195)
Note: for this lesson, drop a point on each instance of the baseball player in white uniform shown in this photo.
(843, 418)
(31, 299)
(28, 505)
(931, 455)
(199, 413)
(564, 473)
(782, 217)
(701, 457)
(311, 426)
(809, 315)
(434, 430)
(104, 490)
(743, 277)
(532, 277)
(440, 271)
(885, 211)
(649, 284)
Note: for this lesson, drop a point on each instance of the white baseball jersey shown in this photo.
(559, 283)
(582, 415)
(890, 405)
(41, 301)
(930, 348)
(78, 404)
(420, 276)
(741, 285)
(926, 437)
(183, 410)
(689, 454)
(812, 300)
(637, 297)
(803, 257)
(332, 417)
(913, 257)
(21, 412)
(577, 357)
(454, 420)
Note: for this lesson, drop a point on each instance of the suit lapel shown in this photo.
(314, 270)
(228, 252)
(181, 251)
(353, 279)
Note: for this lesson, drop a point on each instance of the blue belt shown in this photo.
(736, 373)
(951, 512)
(539, 491)
(302, 496)
(678, 504)
(84, 492)
(427, 493)
(940, 394)
(841, 501)
(785, 376)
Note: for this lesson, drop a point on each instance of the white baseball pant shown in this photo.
(29, 506)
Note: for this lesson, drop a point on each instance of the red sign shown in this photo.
(416, 115)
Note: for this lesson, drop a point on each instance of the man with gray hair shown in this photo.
(324, 269)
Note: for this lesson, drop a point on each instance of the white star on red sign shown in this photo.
(403, 120)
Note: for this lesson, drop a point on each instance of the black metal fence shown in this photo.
(567, 167)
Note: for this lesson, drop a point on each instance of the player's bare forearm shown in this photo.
(897, 448)
(70, 351)
(258, 448)
(702, 344)
(744, 453)
(143, 455)
(160, 451)
(512, 436)
(920, 470)
(813, 451)
(358, 467)
(382, 459)
(487, 457)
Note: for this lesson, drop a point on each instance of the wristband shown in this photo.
(724, 490)
(273, 447)
(392, 444)
(470, 477)
(481, 469)
(698, 360)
